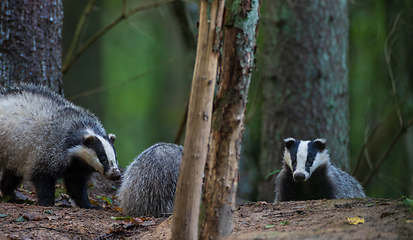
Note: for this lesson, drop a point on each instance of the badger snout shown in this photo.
(113, 175)
(299, 177)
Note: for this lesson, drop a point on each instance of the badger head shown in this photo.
(99, 153)
(304, 157)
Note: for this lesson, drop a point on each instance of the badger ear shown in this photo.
(320, 144)
(88, 139)
(289, 142)
(112, 137)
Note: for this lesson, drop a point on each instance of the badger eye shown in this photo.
(104, 159)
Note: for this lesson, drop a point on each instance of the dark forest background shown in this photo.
(145, 65)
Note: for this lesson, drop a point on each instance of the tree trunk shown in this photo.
(221, 174)
(305, 81)
(30, 38)
(188, 189)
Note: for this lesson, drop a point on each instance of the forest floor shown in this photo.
(318, 219)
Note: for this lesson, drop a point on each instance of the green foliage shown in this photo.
(150, 109)
(5, 198)
(284, 223)
(59, 190)
(408, 202)
(271, 173)
(121, 218)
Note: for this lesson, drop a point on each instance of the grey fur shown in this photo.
(41, 133)
(148, 185)
(323, 181)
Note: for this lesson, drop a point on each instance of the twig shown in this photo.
(402, 130)
(104, 30)
(107, 87)
(387, 54)
(377, 127)
(182, 125)
(79, 27)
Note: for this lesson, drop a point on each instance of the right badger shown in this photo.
(308, 174)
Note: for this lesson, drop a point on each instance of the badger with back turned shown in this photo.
(149, 183)
(307, 174)
(44, 137)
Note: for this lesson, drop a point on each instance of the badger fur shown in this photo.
(148, 185)
(44, 137)
(308, 174)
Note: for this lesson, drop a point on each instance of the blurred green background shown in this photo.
(151, 56)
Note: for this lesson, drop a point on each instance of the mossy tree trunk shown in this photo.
(221, 175)
(305, 81)
(31, 42)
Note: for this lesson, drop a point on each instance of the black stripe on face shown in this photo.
(293, 153)
(96, 145)
(311, 154)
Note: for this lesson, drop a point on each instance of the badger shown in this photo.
(44, 137)
(307, 174)
(149, 183)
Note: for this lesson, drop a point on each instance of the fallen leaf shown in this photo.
(94, 202)
(21, 219)
(108, 200)
(270, 226)
(32, 217)
(137, 220)
(120, 218)
(355, 220)
(284, 223)
(147, 223)
(385, 214)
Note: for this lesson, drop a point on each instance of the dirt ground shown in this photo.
(320, 219)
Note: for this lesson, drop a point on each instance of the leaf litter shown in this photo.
(316, 219)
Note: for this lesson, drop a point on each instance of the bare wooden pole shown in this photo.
(188, 190)
(221, 175)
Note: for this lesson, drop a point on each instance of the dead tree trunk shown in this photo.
(188, 189)
(221, 174)
(31, 42)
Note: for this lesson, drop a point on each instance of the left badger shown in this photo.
(44, 137)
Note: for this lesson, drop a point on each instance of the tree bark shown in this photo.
(305, 81)
(31, 42)
(188, 189)
(221, 174)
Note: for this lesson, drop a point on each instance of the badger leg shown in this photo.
(76, 186)
(45, 188)
(9, 182)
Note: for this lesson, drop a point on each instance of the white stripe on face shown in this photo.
(302, 152)
(287, 158)
(88, 155)
(320, 159)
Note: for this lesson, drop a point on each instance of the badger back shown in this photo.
(40, 130)
(149, 183)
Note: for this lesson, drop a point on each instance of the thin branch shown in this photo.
(118, 84)
(104, 30)
(377, 127)
(182, 125)
(79, 28)
(124, 7)
(402, 130)
(387, 54)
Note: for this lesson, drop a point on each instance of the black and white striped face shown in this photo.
(99, 153)
(304, 157)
